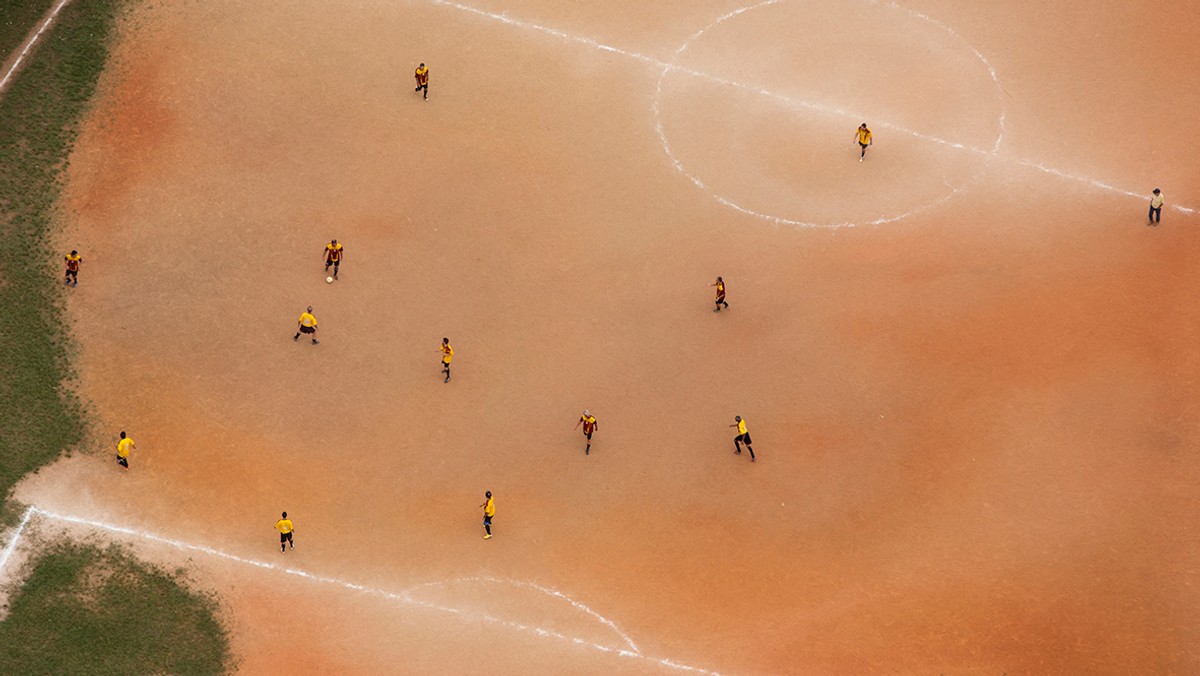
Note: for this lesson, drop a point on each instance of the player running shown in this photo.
(863, 135)
(743, 437)
(589, 425)
(422, 75)
(74, 260)
(124, 446)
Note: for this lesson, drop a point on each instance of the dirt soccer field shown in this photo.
(968, 365)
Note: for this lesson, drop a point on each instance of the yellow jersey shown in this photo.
(332, 252)
(307, 319)
(447, 353)
(490, 508)
(422, 76)
(742, 426)
(864, 137)
(284, 526)
(73, 261)
(720, 288)
(589, 423)
(123, 447)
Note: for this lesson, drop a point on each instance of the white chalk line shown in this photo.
(544, 590)
(12, 544)
(402, 597)
(798, 103)
(32, 41)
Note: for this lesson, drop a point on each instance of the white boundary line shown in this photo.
(12, 544)
(32, 41)
(669, 67)
(403, 597)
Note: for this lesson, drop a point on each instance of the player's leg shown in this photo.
(737, 444)
(588, 448)
(335, 268)
(487, 526)
(282, 542)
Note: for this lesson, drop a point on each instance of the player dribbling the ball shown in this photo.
(333, 256)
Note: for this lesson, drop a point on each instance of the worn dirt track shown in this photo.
(976, 423)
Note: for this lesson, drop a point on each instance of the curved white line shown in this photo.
(545, 590)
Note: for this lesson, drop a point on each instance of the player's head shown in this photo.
(309, 308)
(863, 125)
(76, 253)
(737, 418)
(285, 515)
(445, 341)
(720, 280)
(587, 413)
(1156, 191)
(122, 435)
(422, 65)
(488, 494)
(333, 241)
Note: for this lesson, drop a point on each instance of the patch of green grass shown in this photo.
(17, 19)
(87, 610)
(39, 117)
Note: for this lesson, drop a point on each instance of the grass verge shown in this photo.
(87, 610)
(17, 19)
(39, 117)
(81, 609)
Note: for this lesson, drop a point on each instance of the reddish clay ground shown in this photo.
(976, 424)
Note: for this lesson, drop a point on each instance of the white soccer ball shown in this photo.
(329, 280)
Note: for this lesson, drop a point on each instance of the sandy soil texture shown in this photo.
(973, 404)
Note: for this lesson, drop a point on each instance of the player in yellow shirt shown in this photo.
(489, 510)
(863, 136)
(285, 528)
(333, 256)
(422, 75)
(307, 325)
(74, 261)
(589, 425)
(720, 284)
(124, 446)
(743, 437)
(447, 355)
(1156, 202)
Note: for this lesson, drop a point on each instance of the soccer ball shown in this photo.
(329, 280)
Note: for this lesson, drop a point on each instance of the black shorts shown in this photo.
(308, 329)
(72, 273)
(422, 86)
(744, 438)
(487, 519)
(333, 263)
(285, 537)
(588, 435)
(864, 145)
